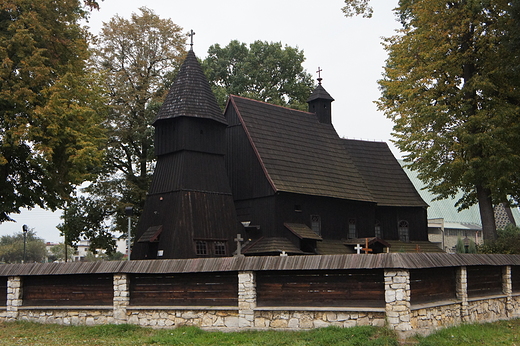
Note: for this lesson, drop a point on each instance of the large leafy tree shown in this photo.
(451, 87)
(263, 71)
(50, 104)
(137, 58)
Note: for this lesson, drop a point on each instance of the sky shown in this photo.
(347, 50)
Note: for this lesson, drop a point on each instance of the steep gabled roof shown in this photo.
(386, 180)
(298, 153)
(191, 95)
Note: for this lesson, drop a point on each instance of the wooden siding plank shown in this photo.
(320, 288)
(64, 290)
(428, 285)
(217, 289)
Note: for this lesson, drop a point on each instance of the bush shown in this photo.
(507, 242)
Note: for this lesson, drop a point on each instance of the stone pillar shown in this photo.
(507, 289)
(397, 298)
(246, 299)
(14, 297)
(121, 297)
(462, 292)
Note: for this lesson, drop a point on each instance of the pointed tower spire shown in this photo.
(190, 95)
(320, 102)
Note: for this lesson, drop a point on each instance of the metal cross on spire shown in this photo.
(191, 34)
(319, 75)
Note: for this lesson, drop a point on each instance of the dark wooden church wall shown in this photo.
(484, 281)
(67, 290)
(260, 212)
(321, 288)
(334, 214)
(188, 170)
(433, 284)
(246, 176)
(3, 290)
(180, 233)
(389, 218)
(194, 289)
(186, 133)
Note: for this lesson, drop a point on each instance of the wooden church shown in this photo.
(281, 178)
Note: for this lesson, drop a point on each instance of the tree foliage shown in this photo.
(507, 242)
(451, 87)
(137, 58)
(50, 105)
(263, 71)
(12, 248)
(357, 7)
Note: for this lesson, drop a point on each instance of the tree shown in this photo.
(58, 253)
(450, 86)
(137, 58)
(12, 248)
(50, 105)
(263, 71)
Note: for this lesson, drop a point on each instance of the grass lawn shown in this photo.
(24, 333)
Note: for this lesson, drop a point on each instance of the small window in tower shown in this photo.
(352, 232)
(220, 248)
(201, 248)
(201, 132)
(298, 208)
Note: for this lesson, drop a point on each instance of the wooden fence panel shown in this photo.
(3, 290)
(515, 278)
(484, 281)
(435, 284)
(194, 289)
(332, 288)
(66, 290)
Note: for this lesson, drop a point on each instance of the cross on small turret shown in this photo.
(191, 34)
(319, 75)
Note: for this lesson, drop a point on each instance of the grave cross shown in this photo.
(358, 248)
(191, 34)
(366, 248)
(239, 239)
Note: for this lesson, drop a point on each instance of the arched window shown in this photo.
(352, 231)
(377, 230)
(404, 231)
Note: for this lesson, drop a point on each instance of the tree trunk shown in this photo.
(487, 214)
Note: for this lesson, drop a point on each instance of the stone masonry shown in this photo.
(397, 298)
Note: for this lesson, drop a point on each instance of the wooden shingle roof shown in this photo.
(298, 153)
(257, 263)
(191, 95)
(388, 183)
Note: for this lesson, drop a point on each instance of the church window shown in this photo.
(316, 224)
(352, 232)
(404, 231)
(220, 248)
(298, 208)
(201, 248)
(377, 231)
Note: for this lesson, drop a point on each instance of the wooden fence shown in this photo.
(407, 292)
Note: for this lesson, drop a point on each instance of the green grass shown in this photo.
(25, 333)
